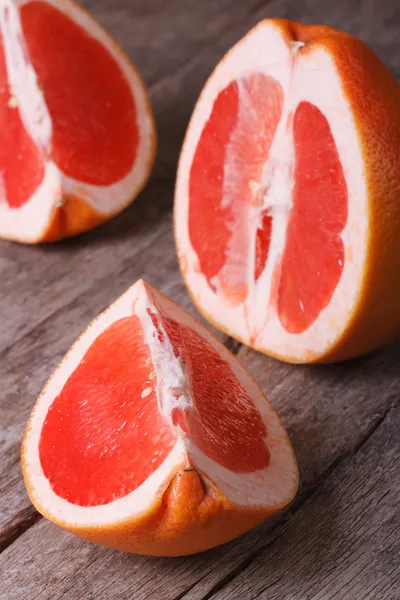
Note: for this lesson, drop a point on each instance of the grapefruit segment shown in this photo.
(107, 420)
(16, 147)
(79, 117)
(95, 142)
(225, 182)
(313, 258)
(145, 396)
(231, 434)
(288, 254)
(208, 218)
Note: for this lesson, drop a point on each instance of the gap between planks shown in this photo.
(25, 522)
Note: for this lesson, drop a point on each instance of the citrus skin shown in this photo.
(362, 106)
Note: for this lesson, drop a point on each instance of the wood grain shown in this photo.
(329, 412)
(344, 542)
(337, 542)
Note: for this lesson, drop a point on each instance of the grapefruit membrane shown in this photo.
(287, 212)
(76, 128)
(151, 437)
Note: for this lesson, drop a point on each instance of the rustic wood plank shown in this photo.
(164, 35)
(72, 281)
(47, 271)
(328, 411)
(344, 543)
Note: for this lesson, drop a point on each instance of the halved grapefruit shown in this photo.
(287, 205)
(77, 137)
(150, 437)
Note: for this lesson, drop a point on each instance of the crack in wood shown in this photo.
(19, 527)
(97, 284)
(259, 7)
(233, 345)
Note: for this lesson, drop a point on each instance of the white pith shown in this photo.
(308, 77)
(272, 487)
(29, 222)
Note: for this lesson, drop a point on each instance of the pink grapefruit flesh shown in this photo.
(16, 148)
(226, 180)
(105, 423)
(94, 135)
(313, 259)
(231, 153)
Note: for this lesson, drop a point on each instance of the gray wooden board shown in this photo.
(344, 542)
(329, 412)
(49, 294)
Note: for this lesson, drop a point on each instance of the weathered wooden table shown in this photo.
(340, 537)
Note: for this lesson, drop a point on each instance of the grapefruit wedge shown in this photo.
(77, 137)
(287, 204)
(150, 437)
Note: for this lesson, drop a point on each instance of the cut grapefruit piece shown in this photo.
(77, 137)
(287, 203)
(150, 437)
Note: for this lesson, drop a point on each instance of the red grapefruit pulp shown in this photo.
(105, 433)
(230, 156)
(230, 433)
(313, 258)
(16, 147)
(235, 192)
(94, 131)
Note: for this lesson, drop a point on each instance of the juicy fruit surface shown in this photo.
(94, 132)
(16, 147)
(242, 188)
(222, 420)
(150, 437)
(105, 433)
(313, 258)
(231, 153)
